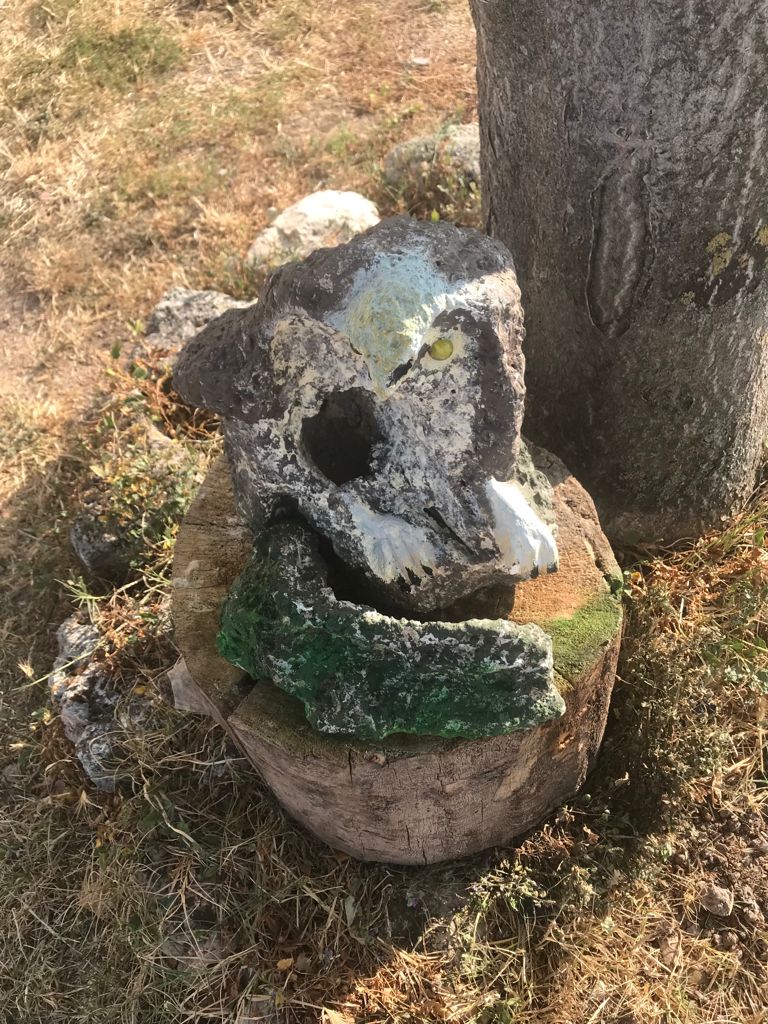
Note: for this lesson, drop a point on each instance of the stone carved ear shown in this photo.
(243, 368)
(228, 368)
(210, 367)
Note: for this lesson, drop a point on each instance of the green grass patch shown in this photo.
(118, 60)
(61, 79)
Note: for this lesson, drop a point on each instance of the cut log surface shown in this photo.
(409, 800)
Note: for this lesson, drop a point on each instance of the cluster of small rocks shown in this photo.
(448, 158)
(730, 903)
(324, 218)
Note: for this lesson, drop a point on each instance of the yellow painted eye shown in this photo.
(441, 349)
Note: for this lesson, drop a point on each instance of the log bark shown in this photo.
(408, 800)
(625, 166)
(411, 800)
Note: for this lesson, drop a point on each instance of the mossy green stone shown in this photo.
(363, 673)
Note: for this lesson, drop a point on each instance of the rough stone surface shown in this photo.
(456, 149)
(181, 313)
(101, 546)
(377, 391)
(93, 715)
(716, 900)
(320, 219)
(77, 643)
(358, 671)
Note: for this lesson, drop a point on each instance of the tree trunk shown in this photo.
(625, 166)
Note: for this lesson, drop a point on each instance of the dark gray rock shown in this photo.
(181, 313)
(452, 154)
(377, 390)
(94, 716)
(101, 547)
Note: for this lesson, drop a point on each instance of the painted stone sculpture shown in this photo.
(371, 405)
(361, 672)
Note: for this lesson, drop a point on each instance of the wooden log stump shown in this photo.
(409, 800)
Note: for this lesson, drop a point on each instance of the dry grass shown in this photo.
(188, 896)
(142, 145)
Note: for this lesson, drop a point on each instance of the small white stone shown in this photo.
(716, 900)
(320, 219)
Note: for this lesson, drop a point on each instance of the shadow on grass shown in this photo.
(39, 471)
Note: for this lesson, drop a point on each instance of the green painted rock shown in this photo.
(360, 672)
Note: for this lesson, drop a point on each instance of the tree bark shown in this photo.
(624, 164)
